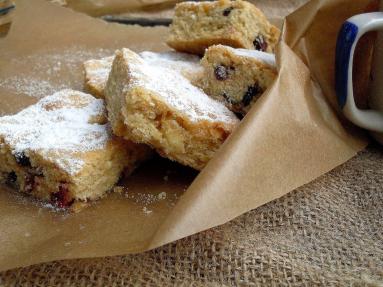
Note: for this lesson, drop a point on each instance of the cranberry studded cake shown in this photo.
(97, 71)
(159, 107)
(198, 25)
(62, 151)
(237, 77)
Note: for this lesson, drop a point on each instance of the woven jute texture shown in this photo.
(327, 233)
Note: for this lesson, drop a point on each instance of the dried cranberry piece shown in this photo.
(227, 11)
(22, 159)
(11, 178)
(260, 44)
(62, 198)
(251, 92)
(221, 73)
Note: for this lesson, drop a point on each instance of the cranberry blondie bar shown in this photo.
(237, 77)
(198, 25)
(159, 107)
(61, 150)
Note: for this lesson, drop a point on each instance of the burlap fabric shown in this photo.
(327, 233)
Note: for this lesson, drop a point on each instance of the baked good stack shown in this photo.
(71, 148)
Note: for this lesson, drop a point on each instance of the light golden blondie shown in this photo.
(198, 25)
(237, 77)
(159, 107)
(61, 150)
(97, 71)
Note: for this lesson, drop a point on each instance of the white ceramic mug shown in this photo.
(352, 30)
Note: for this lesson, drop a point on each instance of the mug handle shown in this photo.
(352, 30)
(6, 8)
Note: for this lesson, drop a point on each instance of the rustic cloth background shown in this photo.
(329, 232)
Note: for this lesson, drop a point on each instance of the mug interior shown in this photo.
(376, 79)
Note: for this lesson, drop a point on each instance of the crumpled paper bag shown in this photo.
(293, 135)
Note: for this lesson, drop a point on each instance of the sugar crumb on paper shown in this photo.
(41, 72)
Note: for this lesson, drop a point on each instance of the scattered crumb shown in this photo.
(42, 206)
(166, 177)
(146, 210)
(172, 199)
(51, 207)
(142, 198)
(162, 196)
(67, 244)
(27, 234)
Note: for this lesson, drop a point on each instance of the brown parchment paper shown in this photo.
(292, 136)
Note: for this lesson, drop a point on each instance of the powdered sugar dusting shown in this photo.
(41, 74)
(30, 86)
(266, 58)
(59, 127)
(181, 62)
(176, 90)
(97, 71)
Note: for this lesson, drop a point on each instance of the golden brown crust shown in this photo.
(198, 46)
